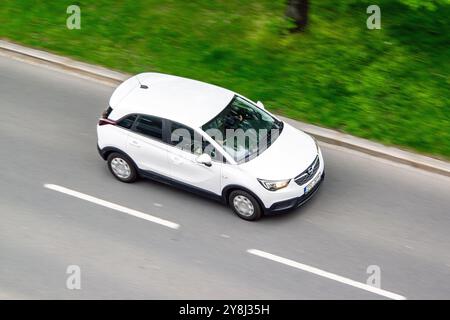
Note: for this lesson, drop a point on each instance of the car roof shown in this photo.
(183, 100)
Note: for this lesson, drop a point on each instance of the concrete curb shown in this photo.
(373, 148)
(63, 62)
(322, 134)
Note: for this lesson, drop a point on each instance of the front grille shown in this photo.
(309, 173)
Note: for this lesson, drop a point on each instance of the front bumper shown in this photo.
(285, 205)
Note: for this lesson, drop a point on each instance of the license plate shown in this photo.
(312, 184)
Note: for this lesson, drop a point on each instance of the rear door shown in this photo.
(145, 145)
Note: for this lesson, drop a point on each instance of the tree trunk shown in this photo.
(298, 10)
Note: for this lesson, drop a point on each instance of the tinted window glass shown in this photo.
(127, 122)
(209, 149)
(183, 137)
(243, 130)
(188, 140)
(149, 126)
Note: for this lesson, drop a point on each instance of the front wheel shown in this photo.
(245, 205)
(122, 167)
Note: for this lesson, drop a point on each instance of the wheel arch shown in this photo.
(230, 188)
(105, 152)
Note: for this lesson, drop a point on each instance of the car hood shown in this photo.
(291, 153)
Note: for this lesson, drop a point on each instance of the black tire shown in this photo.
(133, 172)
(257, 212)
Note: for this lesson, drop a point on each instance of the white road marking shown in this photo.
(326, 274)
(158, 205)
(113, 206)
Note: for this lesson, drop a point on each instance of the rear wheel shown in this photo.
(122, 167)
(245, 205)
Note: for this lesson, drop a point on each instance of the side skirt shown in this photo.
(181, 185)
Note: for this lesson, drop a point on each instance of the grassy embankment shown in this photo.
(389, 85)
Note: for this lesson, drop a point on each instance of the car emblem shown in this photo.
(310, 170)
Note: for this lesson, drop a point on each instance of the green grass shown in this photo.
(389, 85)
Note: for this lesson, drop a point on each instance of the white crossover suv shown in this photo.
(209, 140)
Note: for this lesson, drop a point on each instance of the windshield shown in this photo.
(243, 130)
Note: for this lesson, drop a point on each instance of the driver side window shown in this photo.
(183, 137)
(186, 139)
(215, 155)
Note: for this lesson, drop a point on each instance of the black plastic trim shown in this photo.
(286, 205)
(178, 184)
(107, 150)
(230, 187)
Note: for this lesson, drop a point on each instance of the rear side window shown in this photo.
(149, 126)
(127, 122)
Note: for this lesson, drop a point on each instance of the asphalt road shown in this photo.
(367, 212)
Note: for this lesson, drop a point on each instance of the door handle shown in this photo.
(135, 143)
(176, 160)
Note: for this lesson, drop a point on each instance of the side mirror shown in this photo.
(205, 159)
(260, 104)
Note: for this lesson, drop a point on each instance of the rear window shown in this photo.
(149, 126)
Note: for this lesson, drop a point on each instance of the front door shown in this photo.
(182, 157)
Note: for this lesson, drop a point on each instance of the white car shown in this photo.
(209, 140)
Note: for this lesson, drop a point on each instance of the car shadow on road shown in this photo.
(291, 215)
(180, 194)
(199, 201)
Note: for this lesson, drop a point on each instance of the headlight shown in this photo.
(274, 185)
